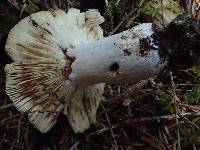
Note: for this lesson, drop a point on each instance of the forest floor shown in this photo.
(158, 113)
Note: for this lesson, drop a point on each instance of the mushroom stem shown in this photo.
(128, 56)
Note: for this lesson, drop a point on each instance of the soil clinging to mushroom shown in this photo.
(179, 42)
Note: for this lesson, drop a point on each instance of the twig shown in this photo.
(22, 8)
(14, 3)
(144, 120)
(187, 120)
(165, 138)
(19, 128)
(119, 89)
(150, 139)
(110, 89)
(194, 147)
(127, 103)
(6, 106)
(75, 145)
(33, 5)
(3, 121)
(100, 131)
(165, 117)
(2, 138)
(111, 130)
(175, 109)
(13, 144)
(26, 135)
(188, 106)
(126, 18)
(138, 86)
(16, 140)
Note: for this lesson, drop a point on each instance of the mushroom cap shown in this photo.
(37, 80)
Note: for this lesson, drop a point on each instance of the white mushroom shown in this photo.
(61, 61)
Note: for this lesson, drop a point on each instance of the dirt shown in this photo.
(180, 42)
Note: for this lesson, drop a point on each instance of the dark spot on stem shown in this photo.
(123, 37)
(114, 67)
(127, 52)
(147, 44)
(144, 47)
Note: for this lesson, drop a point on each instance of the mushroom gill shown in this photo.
(37, 80)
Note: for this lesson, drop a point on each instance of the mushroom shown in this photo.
(61, 62)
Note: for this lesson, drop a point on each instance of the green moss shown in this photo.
(191, 134)
(30, 8)
(163, 102)
(194, 95)
(113, 7)
(194, 72)
(149, 12)
(153, 10)
(174, 7)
